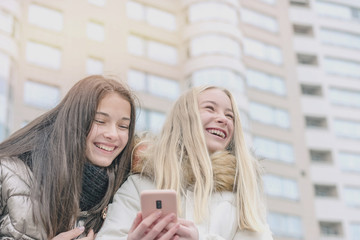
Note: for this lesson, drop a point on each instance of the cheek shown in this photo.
(231, 129)
(92, 134)
(124, 136)
(204, 118)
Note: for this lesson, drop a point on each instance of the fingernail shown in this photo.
(82, 228)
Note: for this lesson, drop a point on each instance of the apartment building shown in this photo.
(293, 65)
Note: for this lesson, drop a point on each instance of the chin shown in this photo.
(214, 150)
(102, 163)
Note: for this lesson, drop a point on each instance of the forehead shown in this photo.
(112, 98)
(215, 95)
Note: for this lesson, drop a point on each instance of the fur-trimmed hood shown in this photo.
(223, 166)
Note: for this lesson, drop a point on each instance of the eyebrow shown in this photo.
(107, 115)
(209, 101)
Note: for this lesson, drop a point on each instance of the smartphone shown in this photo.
(152, 200)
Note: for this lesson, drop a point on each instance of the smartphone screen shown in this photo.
(152, 200)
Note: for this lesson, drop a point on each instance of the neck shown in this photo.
(94, 187)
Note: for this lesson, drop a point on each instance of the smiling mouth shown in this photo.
(217, 133)
(106, 148)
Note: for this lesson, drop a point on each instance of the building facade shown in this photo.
(293, 65)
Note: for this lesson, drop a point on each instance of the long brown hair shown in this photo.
(54, 146)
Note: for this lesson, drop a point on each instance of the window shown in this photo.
(266, 82)
(3, 132)
(311, 90)
(94, 66)
(282, 187)
(325, 191)
(273, 150)
(41, 95)
(349, 161)
(300, 3)
(260, 20)
(163, 87)
(348, 98)
(269, 115)
(136, 45)
(342, 67)
(149, 120)
(303, 30)
(6, 22)
(153, 50)
(307, 59)
(340, 38)
(95, 31)
(152, 16)
(346, 128)
(99, 3)
(245, 123)
(137, 80)
(272, 2)
(315, 122)
(214, 44)
(217, 11)
(354, 231)
(5, 67)
(320, 156)
(162, 52)
(330, 229)
(285, 225)
(135, 10)
(155, 85)
(335, 10)
(219, 77)
(45, 17)
(43, 55)
(159, 18)
(262, 51)
(352, 196)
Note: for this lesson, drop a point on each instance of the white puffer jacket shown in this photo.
(221, 225)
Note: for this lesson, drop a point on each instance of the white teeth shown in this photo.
(217, 132)
(106, 148)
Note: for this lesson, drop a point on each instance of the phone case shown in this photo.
(151, 200)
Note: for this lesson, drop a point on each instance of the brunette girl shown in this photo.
(59, 172)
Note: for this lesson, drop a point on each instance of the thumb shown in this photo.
(70, 234)
(91, 234)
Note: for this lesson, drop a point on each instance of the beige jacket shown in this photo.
(16, 220)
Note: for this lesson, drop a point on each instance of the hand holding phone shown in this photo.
(152, 200)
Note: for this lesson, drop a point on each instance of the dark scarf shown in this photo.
(95, 182)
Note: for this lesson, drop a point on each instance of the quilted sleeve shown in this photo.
(16, 218)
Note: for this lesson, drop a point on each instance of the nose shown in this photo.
(110, 132)
(221, 118)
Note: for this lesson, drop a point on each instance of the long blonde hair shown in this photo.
(182, 139)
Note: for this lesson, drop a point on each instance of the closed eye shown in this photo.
(230, 116)
(210, 107)
(99, 121)
(124, 126)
